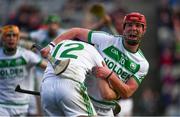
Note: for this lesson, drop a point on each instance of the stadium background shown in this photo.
(158, 94)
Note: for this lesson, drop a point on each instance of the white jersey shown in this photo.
(68, 87)
(83, 57)
(14, 70)
(124, 63)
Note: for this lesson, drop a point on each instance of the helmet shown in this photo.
(53, 19)
(10, 28)
(135, 17)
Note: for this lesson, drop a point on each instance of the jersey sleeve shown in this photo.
(99, 37)
(34, 59)
(140, 75)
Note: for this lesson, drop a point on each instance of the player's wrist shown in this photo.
(51, 45)
(110, 74)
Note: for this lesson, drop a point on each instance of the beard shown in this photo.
(135, 34)
(132, 42)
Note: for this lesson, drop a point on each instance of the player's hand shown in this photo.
(101, 72)
(45, 51)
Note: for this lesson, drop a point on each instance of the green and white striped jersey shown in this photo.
(14, 70)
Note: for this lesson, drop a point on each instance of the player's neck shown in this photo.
(9, 52)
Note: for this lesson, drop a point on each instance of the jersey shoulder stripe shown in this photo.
(89, 36)
(141, 53)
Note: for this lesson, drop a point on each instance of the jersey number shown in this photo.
(70, 48)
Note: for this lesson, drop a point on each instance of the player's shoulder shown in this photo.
(80, 43)
(27, 54)
(142, 58)
(20, 48)
(73, 41)
(140, 53)
(118, 37)
(24, 51)
(101, 33)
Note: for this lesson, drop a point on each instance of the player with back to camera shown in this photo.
(65, 94)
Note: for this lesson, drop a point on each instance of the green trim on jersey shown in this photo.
(12, 62)
(137, 80)
(38, 64)
(141, 53)
(89, 36)
(83, 92)
(111, 103)
(13, 103)
(85, 96)
(122, 59)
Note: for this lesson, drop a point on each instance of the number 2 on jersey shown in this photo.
(68, 51)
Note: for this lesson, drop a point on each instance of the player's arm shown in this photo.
(35, 59)
(73, 33)
(106, 91)
(43, 64)
(128, 89)
(80, 33)
(125, 90)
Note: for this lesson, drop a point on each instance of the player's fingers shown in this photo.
(94, 70)
(104, 64)
(45, 51)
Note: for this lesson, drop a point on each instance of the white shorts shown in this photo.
(126, 107)
(5, 111)
(33, 109)
(104, 110)
(65, 97)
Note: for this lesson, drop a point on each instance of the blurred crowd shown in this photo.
(41, 27)
(166, 102)
(168, 34)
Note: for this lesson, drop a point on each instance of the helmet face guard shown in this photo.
(135, 17)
